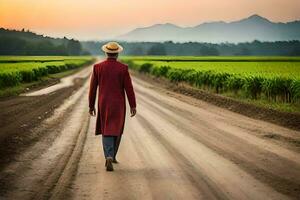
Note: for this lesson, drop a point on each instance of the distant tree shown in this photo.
(73, 47)
(157, 49)
(208, 51)
(85, 52)
(295, 51)
(136, 50)
(255, 48)
(13, 42)
(243, 51)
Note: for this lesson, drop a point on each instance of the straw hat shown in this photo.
(112, 47)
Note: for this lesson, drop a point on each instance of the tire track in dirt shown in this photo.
(35, 177)
(253, 159)
(147, 171)
(179, 150)
(169, 165)
(229, 178)
(256, 127)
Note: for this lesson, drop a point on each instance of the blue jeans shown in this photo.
(111, 145)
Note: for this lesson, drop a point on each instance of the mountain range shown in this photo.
(249, 29)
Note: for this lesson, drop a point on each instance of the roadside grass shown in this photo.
(262, 102)
(49, 79)
(15, 70)
(265, 103)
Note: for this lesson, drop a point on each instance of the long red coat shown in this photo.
(113, 79)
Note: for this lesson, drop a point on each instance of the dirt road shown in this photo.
(176, 147)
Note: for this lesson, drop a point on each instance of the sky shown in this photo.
(102, 19)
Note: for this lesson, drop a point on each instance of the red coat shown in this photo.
(113, 80)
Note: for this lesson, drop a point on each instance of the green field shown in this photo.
(270, 69)
(275, 79)
(15, 70)
(215, 58)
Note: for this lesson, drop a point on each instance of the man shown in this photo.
(113, 80)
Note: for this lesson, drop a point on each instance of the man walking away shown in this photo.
(113, 79)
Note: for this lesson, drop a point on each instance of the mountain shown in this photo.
(252, 28)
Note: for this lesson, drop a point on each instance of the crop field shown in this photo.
(215, 58)
(24, 69)
(276, 79)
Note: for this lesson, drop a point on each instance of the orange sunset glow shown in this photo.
(98, 19)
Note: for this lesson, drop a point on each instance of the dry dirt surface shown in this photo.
(177, 147)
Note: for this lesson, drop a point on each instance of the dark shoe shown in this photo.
(114, 161)
(108, 164)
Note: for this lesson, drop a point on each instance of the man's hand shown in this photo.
(92, 112)
(133, 112)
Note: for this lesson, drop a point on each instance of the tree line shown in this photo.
(13, 42)
(255, 48)
(24, 42)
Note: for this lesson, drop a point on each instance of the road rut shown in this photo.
(176, 147)
(181, 148)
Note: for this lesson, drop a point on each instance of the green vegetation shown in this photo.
(13, 42)
(255, 48)
(15, 70)
(271, 79)
(215, 58)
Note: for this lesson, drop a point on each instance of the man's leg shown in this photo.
(116, 147)
(108, 148)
